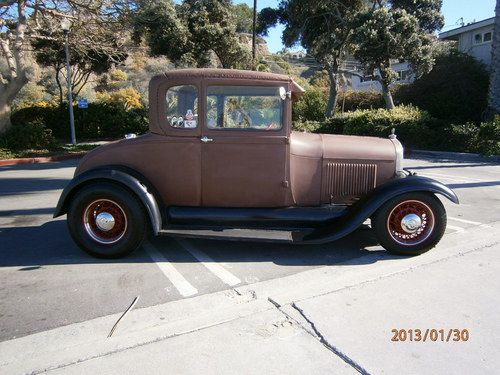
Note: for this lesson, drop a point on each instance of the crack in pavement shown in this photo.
(330, 346)
(317, 335)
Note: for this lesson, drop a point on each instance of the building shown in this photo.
(475, 39)
(402, 69)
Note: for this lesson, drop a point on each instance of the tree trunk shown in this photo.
(4, 115)
(59, 86)
(8, 91)
(385, 82)
(494, 98)
(333, 93)
(386, 93)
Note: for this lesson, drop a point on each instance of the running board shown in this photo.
(255, 235)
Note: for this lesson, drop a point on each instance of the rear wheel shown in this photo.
(106, 220)
(410, 224)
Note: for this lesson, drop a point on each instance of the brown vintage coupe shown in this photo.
(221, 161)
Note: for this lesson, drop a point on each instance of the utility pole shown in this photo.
(254, 41)
(65, 25)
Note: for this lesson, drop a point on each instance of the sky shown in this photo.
(453, 10)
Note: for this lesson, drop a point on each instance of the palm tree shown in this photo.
(494, 101)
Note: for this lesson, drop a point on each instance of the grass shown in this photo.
(61, 150)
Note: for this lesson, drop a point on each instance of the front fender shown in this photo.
(369, 204)
(120, 175)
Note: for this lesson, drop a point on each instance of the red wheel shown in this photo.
(410, 224)
(106, 220)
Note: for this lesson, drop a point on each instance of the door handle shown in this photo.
(205, 139)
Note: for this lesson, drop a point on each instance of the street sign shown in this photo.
(83, 103)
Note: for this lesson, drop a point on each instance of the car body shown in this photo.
(221, 155)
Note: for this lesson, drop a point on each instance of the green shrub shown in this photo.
(489, 137)
(456, 90)
(310, 107)
(29, 135)
(458, 138)
(355, 100)
(413, 126)
(98, 121)
(307, 126)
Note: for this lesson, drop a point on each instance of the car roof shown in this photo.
(226, 73)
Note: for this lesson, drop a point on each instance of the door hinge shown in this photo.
(285, 184)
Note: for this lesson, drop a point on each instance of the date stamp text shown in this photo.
(430, 335)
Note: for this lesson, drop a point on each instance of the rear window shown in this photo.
(244, 107)
(182, 106)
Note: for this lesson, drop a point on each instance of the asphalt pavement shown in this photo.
(48, 284)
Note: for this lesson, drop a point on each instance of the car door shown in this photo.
(244, 144)
(177, 163)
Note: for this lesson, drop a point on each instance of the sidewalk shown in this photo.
(327, 320)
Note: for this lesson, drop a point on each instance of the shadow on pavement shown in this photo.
(28, 212)
(41, 166)
(473, 185)
(31, 248)
(423, 167)
(20, 186)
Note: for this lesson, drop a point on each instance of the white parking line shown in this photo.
(458, 229)
(465, 221)
(452, 177)
(180, 283)
(219, 271)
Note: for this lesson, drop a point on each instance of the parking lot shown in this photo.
(47, 282)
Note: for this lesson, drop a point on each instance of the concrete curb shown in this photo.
(45, 159)
(458, 156)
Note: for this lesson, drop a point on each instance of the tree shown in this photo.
(94, 49)
(190, 33)
(22, 21)
(455, 90)
(494, 98)
(160, 24)
(398, 30)
(324, 28)
(244, 17)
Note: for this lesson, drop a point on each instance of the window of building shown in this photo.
(182, 106)
(483, 37)
(244, 107)
(404, 75)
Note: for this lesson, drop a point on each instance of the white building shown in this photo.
(474, 39)
(402, 69)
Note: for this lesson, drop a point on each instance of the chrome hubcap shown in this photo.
(105, 221)
(411, 223)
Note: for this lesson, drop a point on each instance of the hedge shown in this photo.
(415, 129)
(98, 121)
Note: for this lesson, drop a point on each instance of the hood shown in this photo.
(347, 148)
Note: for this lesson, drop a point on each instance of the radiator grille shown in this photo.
(344, 180)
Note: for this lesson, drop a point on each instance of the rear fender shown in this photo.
(368, 205)
(124, 176)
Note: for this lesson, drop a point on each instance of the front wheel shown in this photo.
(106, 220)
(410, 224)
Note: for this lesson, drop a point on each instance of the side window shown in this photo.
(182, 106)
(244, 107)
